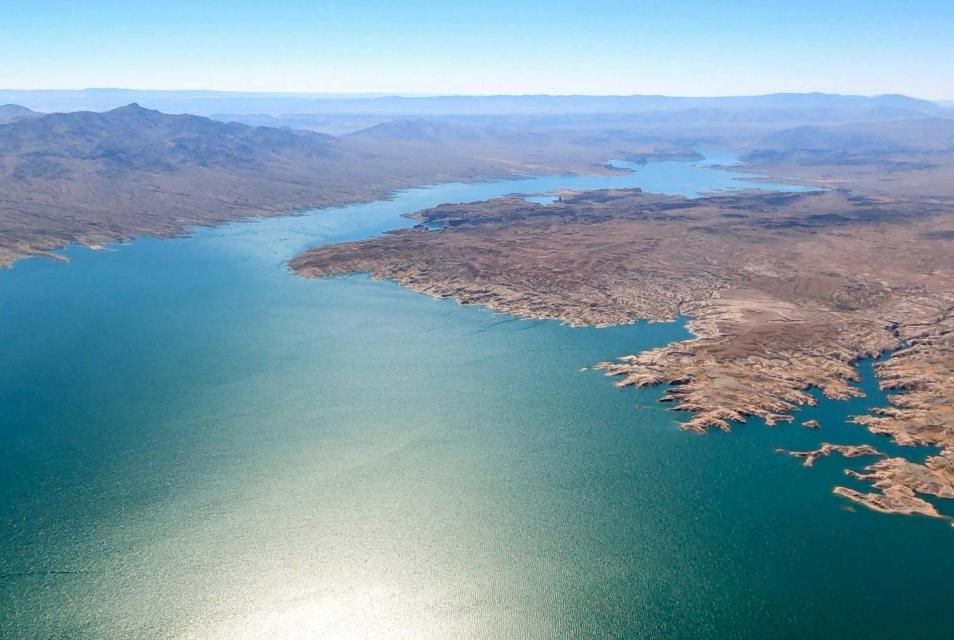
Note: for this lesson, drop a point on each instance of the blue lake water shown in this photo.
(196, 444)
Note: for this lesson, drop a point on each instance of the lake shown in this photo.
(196, 444)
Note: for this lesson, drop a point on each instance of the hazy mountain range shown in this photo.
(205, 102)
(693, 118)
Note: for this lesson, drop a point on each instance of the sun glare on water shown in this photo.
(359, 612)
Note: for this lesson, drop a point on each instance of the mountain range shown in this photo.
(282, 104)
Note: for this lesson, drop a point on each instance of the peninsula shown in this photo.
(785, 293)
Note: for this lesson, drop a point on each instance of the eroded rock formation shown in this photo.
(847, 450)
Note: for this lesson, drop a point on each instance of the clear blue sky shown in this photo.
(483, 46)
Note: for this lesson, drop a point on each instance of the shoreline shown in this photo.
(183, 228)
(754, 352)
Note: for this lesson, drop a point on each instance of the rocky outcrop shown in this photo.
(847, 450)
(756, 356)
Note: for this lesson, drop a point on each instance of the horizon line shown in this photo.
(379, 94)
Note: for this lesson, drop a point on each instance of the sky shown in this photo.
(728, 47)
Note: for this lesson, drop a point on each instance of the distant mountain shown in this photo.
(132, 138)
(860, 142)
(13, 112)
(475, 137)
(424, 130)
(934, 134)
(535, 104)
(278, 104)
(335, 125)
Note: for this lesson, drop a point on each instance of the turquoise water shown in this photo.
(196, 444)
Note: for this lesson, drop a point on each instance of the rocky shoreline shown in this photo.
(826, 449)
(786, 292)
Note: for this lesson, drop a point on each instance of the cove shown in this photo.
(196, 444)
